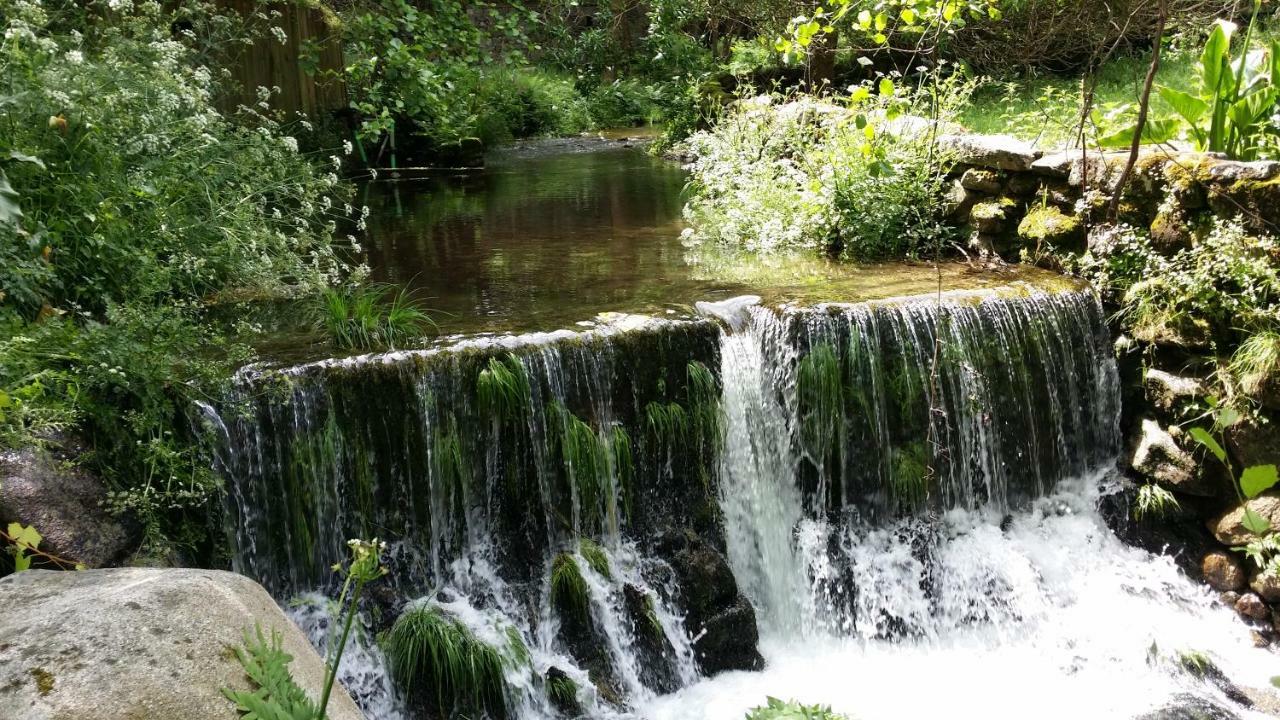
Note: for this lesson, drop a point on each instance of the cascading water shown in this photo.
(930, 544)
(488, 464)
(906, 491)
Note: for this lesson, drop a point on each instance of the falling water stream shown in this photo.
(906, 490)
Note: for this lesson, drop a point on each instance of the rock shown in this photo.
(957, 201)
(1267, 586)
(996, 152)
(1252, 443)
(64, 503)
(1251, 606)
(989, 217)
(980, 180)
(560, 685)
(1170, 232)
(716, 613)
(1156, 455)
(1189, 707)
(1167, 392)
(1050, 226)
(139, 643)
(1230, 171)
(1228, 529)
(1223, 571)
(1023, 184)
(1055, 165)
(1229, 598)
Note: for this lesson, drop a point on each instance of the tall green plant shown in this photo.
(1252, 481)
(1230, 106)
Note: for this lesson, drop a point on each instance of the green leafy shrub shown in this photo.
(275, 694)
(130, 203)
(775, 709)
(569, 591)
(816, 177)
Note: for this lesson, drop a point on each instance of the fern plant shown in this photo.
(275, 696)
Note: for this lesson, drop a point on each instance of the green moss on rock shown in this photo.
(1049, 225)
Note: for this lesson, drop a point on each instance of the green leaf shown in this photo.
(23, 157)
(1213, 58)
(1190, 107)
(1227, 417)
(1203, 437)
(1155, 132)
(1257, 479)
(1255, 523)
(908, 16)
(9, 210)
(24, 536)
(886, 87)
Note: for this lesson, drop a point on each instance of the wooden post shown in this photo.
(312, 91)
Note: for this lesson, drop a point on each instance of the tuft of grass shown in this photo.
(623, 464)
(669, 421)
(562, 690)
(449, 464)
(596, 557)
(585, 458)
(1195, 662)
(569, 591)
(1153, 501)
(704, 404)
(820, 393)
(502, 388)
(371, 316)
(909, 474)
(428, 649)
(1256, 362)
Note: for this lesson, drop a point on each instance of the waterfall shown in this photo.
(855, 414)
(905, 491)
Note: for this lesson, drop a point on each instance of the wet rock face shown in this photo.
(64, 503)
(1189, 707)
(1167, 392)
(1251, 606)
(139, 643)
(1222, 571)
(720, 618)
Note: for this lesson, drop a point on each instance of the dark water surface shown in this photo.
(552, 233)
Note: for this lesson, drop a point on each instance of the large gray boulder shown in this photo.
(138, 643)
(63, 503)
(996, 152)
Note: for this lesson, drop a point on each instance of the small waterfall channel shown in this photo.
(890, 507)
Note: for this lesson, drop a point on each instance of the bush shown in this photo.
(129, 202)
(815, 177)
(775, 709)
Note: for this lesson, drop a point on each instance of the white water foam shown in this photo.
(1051, 617)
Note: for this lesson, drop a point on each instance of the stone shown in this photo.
(1267, 586)
(1024, 184)
(1170, 231)
(1223, 571)
(995, 152)
(983, 181)
(139, 643)
(1050, 226)
(1189, 707)
(1167, 392)
(1251, 606)
(1157, 456)
(1229, 598)
(989, 217)
(63, 503)
(716, 613)
(1231, 171)
(1228, 527)
(956, 200)
(1252, 443)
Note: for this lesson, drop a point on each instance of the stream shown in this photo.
(898, 557)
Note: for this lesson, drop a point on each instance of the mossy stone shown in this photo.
(1050, 226)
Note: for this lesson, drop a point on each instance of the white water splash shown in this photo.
(1051, 617)
(363, 668)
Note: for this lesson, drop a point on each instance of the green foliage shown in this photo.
(909, 473)
(429, 651)
(585, 456)
(569, 591)
(1204, 292)
(563, 691)
(849, 180)
(1264, 551)
(595, 557)
(275, 696)
(1229, 109)
(130, 202)
(775, 709)
(371, 316)
(1153, 501)
(503, 388)
(820, 393)
(1255, 363)
(1253, 480)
